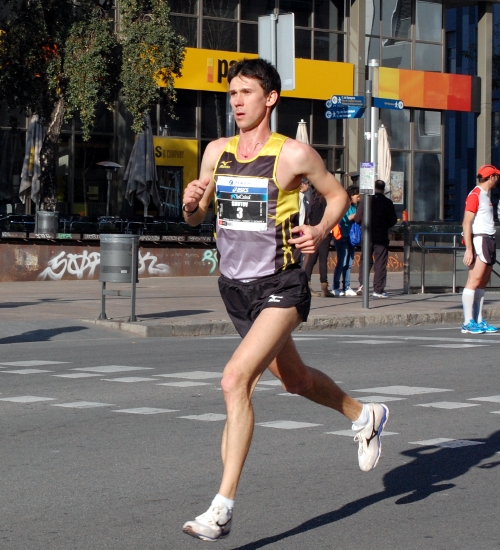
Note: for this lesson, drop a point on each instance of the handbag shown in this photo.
(337, 232)
(355, 234)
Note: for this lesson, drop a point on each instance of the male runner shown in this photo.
(480, 249)
(256, 177)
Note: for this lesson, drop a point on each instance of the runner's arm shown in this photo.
(199, 193)
(467, 230)
(307, 162)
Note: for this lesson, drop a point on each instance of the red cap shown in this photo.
(488, 170)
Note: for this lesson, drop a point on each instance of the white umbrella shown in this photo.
(141, 176)
(302, 132)
(384, 157)
(30, 174)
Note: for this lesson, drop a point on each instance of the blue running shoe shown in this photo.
(487, 328)
(473, 328)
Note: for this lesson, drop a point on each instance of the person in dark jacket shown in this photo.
(383, 217)
(316, 210)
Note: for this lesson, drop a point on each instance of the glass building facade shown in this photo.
(408, 35)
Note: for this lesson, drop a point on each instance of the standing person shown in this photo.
(345, 250)
(480, 249)
(383, 217)
(304, 201)
(317, 211)
(255, 177)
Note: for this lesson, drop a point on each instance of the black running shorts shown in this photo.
(244, 301)
(485, 248)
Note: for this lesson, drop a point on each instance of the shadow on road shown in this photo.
(417, 480)
(40, 335)
(176, 313)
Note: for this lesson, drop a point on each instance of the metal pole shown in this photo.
(274, 55)
(454, 280)
(422, 267)
(109, 176)
(135, 242)
(103, 301)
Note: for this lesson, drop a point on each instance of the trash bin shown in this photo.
(47, 222)
(116, 258)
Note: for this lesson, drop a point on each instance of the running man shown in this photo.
(255, 177)
(480, 249)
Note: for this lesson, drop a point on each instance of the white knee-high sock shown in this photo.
(478, 304)
(468, 304)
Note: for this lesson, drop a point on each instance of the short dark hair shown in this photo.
(261, 70)
(380, 185)
(353, 190)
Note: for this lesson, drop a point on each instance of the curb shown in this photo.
(223, 328)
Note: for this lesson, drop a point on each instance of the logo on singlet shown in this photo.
(274, 298)
(225, 164)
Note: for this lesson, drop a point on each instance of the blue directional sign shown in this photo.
(382, 103)
(344, 112)
(346, 100)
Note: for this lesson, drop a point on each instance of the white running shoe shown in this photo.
(211, 526)
(369, 438)
(337, 292)
(350, 292)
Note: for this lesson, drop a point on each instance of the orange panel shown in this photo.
(412, 88)
(460, 94)
(388, 83)
(436, 90)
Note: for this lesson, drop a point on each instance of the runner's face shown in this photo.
(249, 102)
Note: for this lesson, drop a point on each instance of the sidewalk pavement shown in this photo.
(191, 306)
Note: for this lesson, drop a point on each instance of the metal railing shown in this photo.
(457, 245)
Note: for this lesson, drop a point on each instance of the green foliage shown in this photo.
(152, 53)
(92, 68)
(63, 57)
(57, 48)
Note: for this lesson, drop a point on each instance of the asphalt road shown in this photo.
(108, 441)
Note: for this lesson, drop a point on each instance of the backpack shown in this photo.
(355, 234)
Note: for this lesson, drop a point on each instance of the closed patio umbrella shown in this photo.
(302, 132)
(140, 175)
(384, 157)
(30, 174)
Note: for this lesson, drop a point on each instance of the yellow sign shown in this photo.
(178, 152)
(207, 70)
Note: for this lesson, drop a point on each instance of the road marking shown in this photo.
(269, 383)
(455, 346)
(184, 384)
(287, 424)
(403, 390)
(24, 371)
(379, 398)
(446, 443)
(145, 410)
(193, 375)
(112, 368)
(34, 363)
(447, 405)
(27, 399)
(77, 375)
(491, 399)
(371, 342)
(420, 338)
(129, 379)
(82, 405)
(208, 417)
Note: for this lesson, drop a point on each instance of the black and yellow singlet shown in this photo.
(255, 216)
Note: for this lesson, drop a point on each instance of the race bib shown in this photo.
(242, 203)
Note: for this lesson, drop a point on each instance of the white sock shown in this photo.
(468, 304)
(478, 304)
(227, 502)
(363, 420)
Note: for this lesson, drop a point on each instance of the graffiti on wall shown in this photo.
(84, 265)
